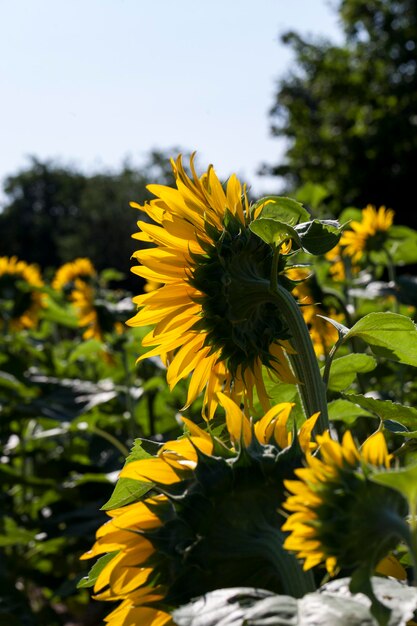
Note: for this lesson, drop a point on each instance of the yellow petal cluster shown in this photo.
(129, 576)
(360, 239)
(309, 494)
(183, 222)
(11, 268)
(67, 274)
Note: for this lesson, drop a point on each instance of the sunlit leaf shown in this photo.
(389, 335)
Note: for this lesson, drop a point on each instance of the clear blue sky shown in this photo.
(91, 82)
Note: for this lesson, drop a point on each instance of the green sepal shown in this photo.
(128, 490)
(95, 571)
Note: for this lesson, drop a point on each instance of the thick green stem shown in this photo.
(311, 387)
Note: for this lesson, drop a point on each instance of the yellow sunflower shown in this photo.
(369, 234)
(67, 274)
(82, 296)
(341, 264)
(322, 333)
(338, 516)
(212, 316)
(209, 520)
(20, 306)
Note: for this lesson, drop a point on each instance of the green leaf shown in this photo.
(344, 411)
(386, 410)
(319, 236)
(282, 209)
(95, 571)
(389, 335)
(351, 214)
(312, 194)
(85, 349)
(402, 245)
(128, 490)
(273, 231)
(403, 480)
(58, 314)
(344, 369)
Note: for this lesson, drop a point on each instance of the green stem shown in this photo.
(311, 387)
(115, 442)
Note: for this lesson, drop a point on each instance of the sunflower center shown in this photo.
(233, 277)
(376, 242)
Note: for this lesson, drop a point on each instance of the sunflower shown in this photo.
(20, 304)
(82, 296)
(192, 532)
(67, 274)
(322, 333)
(213, 316)
(368, 235)
(339, 517)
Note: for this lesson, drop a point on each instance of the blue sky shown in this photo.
(92, 82)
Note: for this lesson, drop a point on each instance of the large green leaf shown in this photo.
(386, 410)
(389, 335)
(319, 236)
(344, 411)
(274, 232)
(344, 369)
(403, 480)
(282, 209)
(402, 245)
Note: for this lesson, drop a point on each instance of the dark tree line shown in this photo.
(54, 214)
(349, 113)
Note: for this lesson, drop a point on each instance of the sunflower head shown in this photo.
(368, 235)
(66, 276)
(20, 302)
(338, 516)
(210, 518)
(212, 315)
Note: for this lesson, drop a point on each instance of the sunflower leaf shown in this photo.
(319, 236)
(273, 231)
(389, 335)
(345, 369)
(282, 209)
(386, 410)
(344, 411)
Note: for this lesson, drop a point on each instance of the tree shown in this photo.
(55, 214)
(349, 113)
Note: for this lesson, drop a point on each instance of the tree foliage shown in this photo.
(54, 214)
(349, 112)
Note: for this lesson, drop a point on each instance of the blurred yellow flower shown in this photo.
(67, 274)
(369, 234)
(20, 306)
(322, 333)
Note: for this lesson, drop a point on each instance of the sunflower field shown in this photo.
(236, 444)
